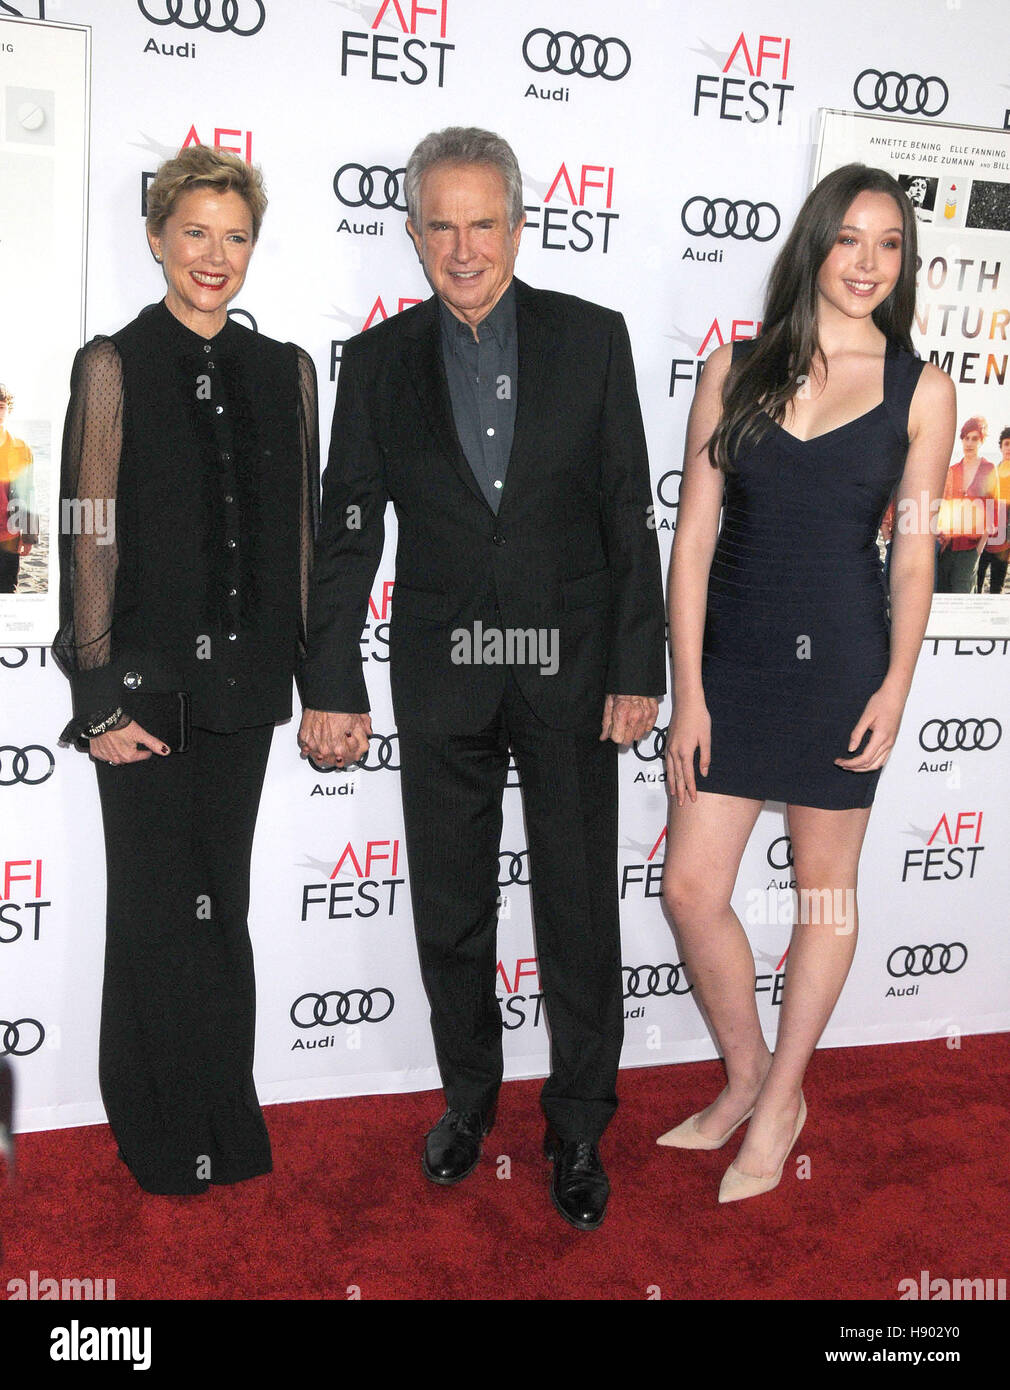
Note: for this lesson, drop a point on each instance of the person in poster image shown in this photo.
(204, 436)
(996, 554)
(969, 492)
(790, 677)
(503, 422)
(18, 516)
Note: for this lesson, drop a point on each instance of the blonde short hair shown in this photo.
(6, 396)
(204, 166)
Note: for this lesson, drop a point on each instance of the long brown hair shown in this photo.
(762, 383)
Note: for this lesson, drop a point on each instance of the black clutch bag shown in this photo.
(165, 715)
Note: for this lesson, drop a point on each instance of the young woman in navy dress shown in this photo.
(790, 674)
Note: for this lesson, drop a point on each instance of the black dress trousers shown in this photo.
(569, 788)
(178, 1004)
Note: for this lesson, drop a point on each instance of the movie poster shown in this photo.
(44, 77)
(958, 178)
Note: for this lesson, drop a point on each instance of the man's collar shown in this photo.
(501, 321)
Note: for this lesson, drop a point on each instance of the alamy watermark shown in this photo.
(510, 646)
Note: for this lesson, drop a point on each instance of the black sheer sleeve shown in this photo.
(89, 551)
(308, 431)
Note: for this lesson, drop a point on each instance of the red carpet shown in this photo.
(907, 1150)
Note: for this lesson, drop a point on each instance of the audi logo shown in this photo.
(645, 980)
(354, 1006)
(661, 488)
(651, 748)
(598, 60)
(380, 753)
(516, 869)
(20, 1038)
(720, 218)
(204, 12)
(244, 314)
(892, 92)
(31, 766)
(779, 857)
(945, 735)
(389, 182)
(926, 960)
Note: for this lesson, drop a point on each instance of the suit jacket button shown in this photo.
(498, 538)
(132, 680)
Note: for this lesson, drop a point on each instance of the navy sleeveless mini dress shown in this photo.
(797, 628)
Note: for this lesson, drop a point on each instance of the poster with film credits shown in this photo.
(44, 119)
(958, 179)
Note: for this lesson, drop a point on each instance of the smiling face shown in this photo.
(464, 239)
(204, 247)
(864, 265)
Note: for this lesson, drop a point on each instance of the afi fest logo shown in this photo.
(758, 96)
(230, 138)
(414, 51)
(718, 333)
(644, 879)
(22, 879)
(953, 846)
(362, 883)
(524, 996)
(577, 209)
(380, 310)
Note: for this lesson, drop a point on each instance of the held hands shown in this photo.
(333, 739)
(117, 746)
(627, 718)
(882, 715)
(690, 728)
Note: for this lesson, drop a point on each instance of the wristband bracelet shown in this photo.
(101, 726)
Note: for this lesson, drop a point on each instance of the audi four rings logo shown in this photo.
(31, 765)
(241, 17)
(645, 980)
(514, 869)
(926, 960)
(360, 192)
(333, 1007)
(381, 753)
(20, 1038)
(945, 735)
(891, 92)
(567, 54)
(721, 217)
(651, 748)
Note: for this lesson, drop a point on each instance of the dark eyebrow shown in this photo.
(851, 227)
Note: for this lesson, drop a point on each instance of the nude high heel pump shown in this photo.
(736, 1185)
(686, 1136)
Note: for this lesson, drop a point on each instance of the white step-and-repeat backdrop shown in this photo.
(666, 147)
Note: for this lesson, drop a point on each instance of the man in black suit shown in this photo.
(504, 424)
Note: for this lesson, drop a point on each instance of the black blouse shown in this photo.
(204, 453)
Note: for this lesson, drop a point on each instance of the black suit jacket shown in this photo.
(572, 551)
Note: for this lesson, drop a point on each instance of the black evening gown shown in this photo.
(203, 454)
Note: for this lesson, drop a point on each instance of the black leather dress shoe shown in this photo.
(452, 1148)
(579, 1184)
